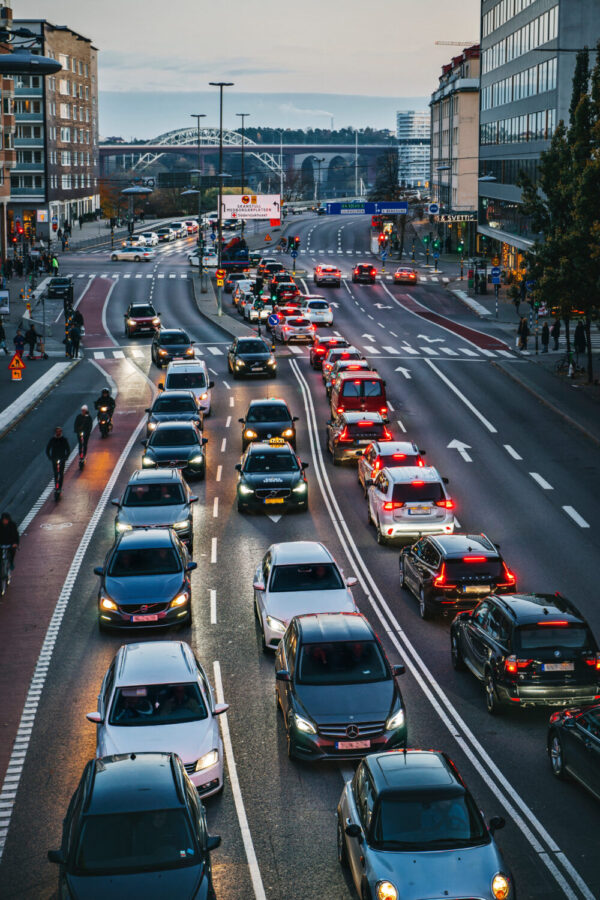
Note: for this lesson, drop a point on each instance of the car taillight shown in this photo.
(474, 559)
(344, 436)
(512, 665)
(383, 410)
(509, 578)
(420, 461)
(365, 424)
(356, 271)
(445, 504)
(340, 409)
(440, 580)
(387, 434)
(398, 455)
(392, 504)
(373, 271)
(377, 465)
(594, 662)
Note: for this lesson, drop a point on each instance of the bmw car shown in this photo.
(271, 478)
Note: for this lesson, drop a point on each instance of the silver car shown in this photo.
(294, 328)
(297, 578)
(258, 309)
(408, 828)
(156, 498)
(409, 501)
(387, 454)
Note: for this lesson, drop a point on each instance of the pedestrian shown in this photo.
(555, 332)
(78, 318)
(54, 263)
(59, 234)
(31, 337)
(64, 243)
(19, 342)
(545, 337)
(80, 222)
(523, 333)
(579, 339)
(74, 339)
(3, 338)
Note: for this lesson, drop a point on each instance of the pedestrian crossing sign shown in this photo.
(16, 364)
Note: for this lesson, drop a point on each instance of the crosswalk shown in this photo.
(125, 275)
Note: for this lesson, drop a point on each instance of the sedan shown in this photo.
(405, 275)
(408, 828)
(271, 475)
(296, 328)
(327, 275)
(317, 310)
(171, 343)
(141, 317)
(145, 582)
(266, 419)
(172, 406)
(151, 238)
(574, 746)
(350, 433)
(251, 356)
(156, 498)
(176, 445)
(390, 453)
(61, 287)
(134, 254)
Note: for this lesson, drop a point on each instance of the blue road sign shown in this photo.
(294, 254)
(212, 235)
(436, 255)
(351, 209)
(495, 273)
(495, 278)
(530, 285)
(384, 255)
(392, 208)
(273, 320)
(433, 209)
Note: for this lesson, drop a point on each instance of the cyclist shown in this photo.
(83, 428)
(106, 399)
(9, 537)
(57, 451)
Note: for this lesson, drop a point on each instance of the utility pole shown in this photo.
(243, 116)
(220, 85)
(200, 241)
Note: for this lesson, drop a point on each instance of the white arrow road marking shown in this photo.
(431, 340)
(405, 372)
(462, 449)
(274, 518)
(382, 306)
(369, 337)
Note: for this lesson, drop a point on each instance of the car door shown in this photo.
(263, 573)
(288, 657)
(412, 565)
(583, 749)
(231, 354)
(364, 796)
(474, 640)
(365, 464)
(378, 493)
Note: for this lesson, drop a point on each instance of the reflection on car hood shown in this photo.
(268, 429)
(288, 604)
(174, 417)
(173, 348)
(274, 481)
(249, 357)
(180, 883)
(331, 703)
(139, 516)
(162, 453)
(190, 740)
(143, 588)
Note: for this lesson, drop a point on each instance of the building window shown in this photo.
(63, 60)
(530, 36)
(65, 110)
(65, 157)
(65, 135)
(65, 182)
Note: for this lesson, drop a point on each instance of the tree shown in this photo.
(386, 185)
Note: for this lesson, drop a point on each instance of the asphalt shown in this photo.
(290, 807)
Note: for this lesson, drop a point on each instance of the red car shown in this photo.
(141, 317)
(404, 275)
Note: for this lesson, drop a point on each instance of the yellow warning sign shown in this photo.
(220, 282)
(268, 237)
(16, 363)
(16, 375)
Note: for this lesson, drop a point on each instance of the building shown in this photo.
(413, 130)
(56, 173)
(526, 84)
(7, 130)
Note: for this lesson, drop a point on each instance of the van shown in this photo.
(192, 375)
(360, 392)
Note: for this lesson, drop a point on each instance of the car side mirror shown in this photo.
(204, 441)
(221, 708)
(242, 421)
(147, 409)
(193, 498)
(212, 842)
(282, 675)
(191, 566)
(423, 452)
(294, 418)
(94, 717)
(445, 480)
(496, 822)
(259, 585)
(211, 384)
(144, 442)
(56, 856)
(238, 467)
(98, 570)
(398, 669)
(351, 581)
(354, 831)
(305, 465)
(497, 546)
(115, 501)
(161, 387)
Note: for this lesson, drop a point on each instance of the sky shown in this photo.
(153, 52)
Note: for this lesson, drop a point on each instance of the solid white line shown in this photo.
(223, 445)
(104, 308)
(541, 481)
(462, 397)
(512, 452)
(29, 396)
(213, 550)
(257, 885)
(576, 517)
(401, 424)
(213, 607)
(219, 473)
(216, 508)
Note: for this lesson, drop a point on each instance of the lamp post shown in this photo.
(220, 85)
(197, 117)
(318, 160)
(131, 193)
(242, 117)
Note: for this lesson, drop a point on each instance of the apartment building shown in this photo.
(7, 128)
(413, 130)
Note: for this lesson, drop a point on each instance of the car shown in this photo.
(191, 226)
(294, 328)
(321, 347)
(335, 353)
(139, 318)
(190, 375)
(365, 391)
(389, 453)
(60, 287)
(231, 279)
(327, 275)
(285, 291)
(231, 224)
(179, 228)
(135, 240)
(297, 578)
(176, 445)
(271, 475)
(336, 689)
(165, 234)
(145, 581)
(345, 365)
(528, 650)
(446, 572)
(157, 696)
(210, 259)
(241, 286)
(407, 824)
(135, 828)
(151, 238)
(251, 356)
(268, 418)
(348, 434)
(245, 298)
(264, 261)
(364, 273)
(173, 406)
(282, 313)
(132, 254)
(257, 309)
(157, 498)
(280, 278)
(406, 275)
(317, 310)
(574, 745)
(169, 344)
(409, 501)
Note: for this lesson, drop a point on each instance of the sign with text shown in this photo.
(392, 208)
(351, 208)
(251, 206)
(42, 215)
(457, 217)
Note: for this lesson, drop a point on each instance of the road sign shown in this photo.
(495, 271)
(294, 254)
(220, 273)
(16, 363)
(436, 255)
(220, 282)
(351, 209)
(392, 208)
(213, 236)
(384, 255)
(16, 375)
(268, 237)
(495, 279)
(530, 285)
(433, 209)
(54, 223)
(251, 206)
(273, 320)
(456, 217)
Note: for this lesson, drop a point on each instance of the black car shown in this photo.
(61, 287)
(321, 348)
(364, 273)
(350, 433)
(574, 745)
(140, 317)
(450, 571)
(280, 278)
(251, 356)
(528, 650)
(336, 689)
(135, 827)
(232, 279)
(171, 343)
(266, 419)
(271, 477)
(284, 292)
(172, 406)
(178, 445)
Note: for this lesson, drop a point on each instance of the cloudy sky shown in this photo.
(380, 48)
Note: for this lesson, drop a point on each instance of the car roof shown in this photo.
(155, 662)
(317, 628)
(456, 545)
(246, 338)
(268, 401)
(528, 609)
(150, 476)
(364, 266)
(412, 770)
(396, 447)
(145, 538)
(290, 552)
(406, 474)
(340, 342)
(137, 303)
(132, 782)
(176, 423)
(351, 417)
(186, 365)
(177, 394)
(266, 447)
(360, 373)
(350, 348)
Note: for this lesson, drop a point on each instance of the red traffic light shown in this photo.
(382, 238)
(19, 228)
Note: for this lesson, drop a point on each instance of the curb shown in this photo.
(216, 320)
(40, 397)
(477, 308)
(547, 403)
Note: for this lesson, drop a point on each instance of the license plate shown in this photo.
(476, 588)
(274, 500)
(257, 366)
(352, 745)
(419, 511)
(147, 618)
(367, 441)
(558, 667)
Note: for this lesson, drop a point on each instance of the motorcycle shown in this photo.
(104, 421)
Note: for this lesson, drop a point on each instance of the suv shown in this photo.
(61, 287)
(141, 317)
(409, 501)
(173, 406)
(266, 419)
(327, 275)
(321, 348)
(156, 498)
(349, 433)
(391, 453)
(364, 273)
(449, 571)
(125, 823)
(191, 376)
(528, 649)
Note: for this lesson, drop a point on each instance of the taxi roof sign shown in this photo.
(16, 363)
(276, 442)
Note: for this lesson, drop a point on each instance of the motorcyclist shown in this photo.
(9, 537)
(57, 451)
(83, 427)
(106, 399)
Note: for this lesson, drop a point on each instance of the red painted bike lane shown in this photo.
(479, 338)
(52, 539)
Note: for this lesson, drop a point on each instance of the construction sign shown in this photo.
(16, 366)
(268, 237)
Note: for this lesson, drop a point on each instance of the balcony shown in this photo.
(28, 167)
(29, 193)
(22, 143)
(26, 118)
(28, 91)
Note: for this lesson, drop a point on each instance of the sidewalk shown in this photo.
(98, 232)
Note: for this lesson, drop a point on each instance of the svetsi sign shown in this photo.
(251, 206)
(457, 217)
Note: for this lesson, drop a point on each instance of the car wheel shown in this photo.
(236, 375)
(369, 517)
(136, 258)
(380, 536)
(458, 662)
(265, 649)
(491, 698)
(342, 852)
(114, 257)
(424, 605)
(403, 583)
(291, 750)
(557, 756)
(240, 507)
(336, 460)
(188, 622)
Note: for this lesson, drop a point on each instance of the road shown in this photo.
(523, 477)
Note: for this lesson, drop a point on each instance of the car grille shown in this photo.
(190, 768)
(145, 608)
(364, 729)
(261, 493)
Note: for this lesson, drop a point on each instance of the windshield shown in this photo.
(142, 311)
(545, 637)
(173, 437)
(174, 337)
(135, 842)
(157, 704)
(185, 380)
(361, 388)
(252, 347)
(166, 494)
(144, 561)
(174, 405)
(271, 462)
(306, 577)
(366, 430)
(427, 822)
(342, 354)
(268, 414)
(342, 662)
(418, 492)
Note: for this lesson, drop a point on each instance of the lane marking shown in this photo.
(228, 420)
(219, 472)
(216, 508)
(213, 550)
(257, 885)
(213, 607)
(462, 397)
(231, 401)
(429, 351)
(448, 351)
(411, 350)
(98, 354)
(467, 352)
(215, 351)
(225, 383)
(401, 425)
(541, 481)
(389, 406)
(223, 445)
(392, 350)
(576, 517)
(512, 452)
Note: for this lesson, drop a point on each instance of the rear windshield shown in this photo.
(458, 568)
(343, 354)
(237, 277)
(271, 462)
(547, 637)
(174, 405)
(268, 414)
(306, 577)
(424, 492)
(166, 494)
(361, 388)
(318, 304)
(252, 347)
(397, 459)
(298, 323)
(174, 337)
(145, 311)
(145, 561)
(173, 437)
(186, 380)
(371, 430)
(342, 662)
(157, 704)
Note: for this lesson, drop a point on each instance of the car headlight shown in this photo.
(300, 489)
(500, 886)
(204, 396)
(396, 720)
(131, 321)
(303, 724)
(151, 426)
(276, 624)
(179, 526)
(386, 891)
(272, 361)
(147, 461)
(179, 600)
(248, 433)
(240, 363)
(289, 432)
(123, 526)
(197, 460)
(107, 603)
(209, 759)
(189, 351)
(156, 321)
(244, 489)
(163, 352)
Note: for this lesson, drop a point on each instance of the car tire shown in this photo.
(114, 258)
(458, 663)
(381, 540)
(557, 756)
(403, 584)
(240, 507)
(425, 610)
(136, 258)
(265, 649)
(102, 627)
(492, 704)
(236, 375)
(342, 851)
(291, 752)
(336, 460)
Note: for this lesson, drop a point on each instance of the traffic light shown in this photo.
(20, 229)
(296, 241)
(14, 239)
(426, 240)
(382, 239)
(461, 246)
(436, 244)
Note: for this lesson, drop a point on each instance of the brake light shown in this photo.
(474, 559)
(344, 436)
(365, 424)
(373, 271)
(383, 410)
(417, 483)
(387, 435)
(594, 662)
(353, 369)
(440, 580)
(377, 465)
(560, 623)
(320, 350)
(512, 664)
(510, 578)
(356, 271)
(340, 409)
(445, 504)
(392, 504)
(398, 455)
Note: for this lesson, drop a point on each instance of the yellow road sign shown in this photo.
(268, 237)
(220, 282)
(16, 375)
(16, 363)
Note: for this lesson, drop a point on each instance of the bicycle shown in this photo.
(565, 363)
(4, 568)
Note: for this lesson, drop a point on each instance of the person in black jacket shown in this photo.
(83, 427)
(57, 451)
(9, 537)
(106, 399)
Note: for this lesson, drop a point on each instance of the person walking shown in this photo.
(555, 332)
(579, 340)
(54, 264)
(74, 339)
(8, 268)
(523, 332)
(59, 234)
(19, 266)
(545, 337)
(31, 337)
(19, 342)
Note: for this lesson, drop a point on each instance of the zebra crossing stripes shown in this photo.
(448, 351)
(467, 352)
(429, 351)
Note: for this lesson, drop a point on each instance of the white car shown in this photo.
(297, 578)
(136, 240)
(260, 312)
(156, 697)
(150, 237)
(241, 287)
(409, 501)
(190, 375)
(317, 310)
(209, 259)
(136, 254)
(294, 328)
(180, 228)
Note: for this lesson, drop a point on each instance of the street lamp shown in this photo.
(318, 160)
(131, 193)
(242, 117)
(220, 85)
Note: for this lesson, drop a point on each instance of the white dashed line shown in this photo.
(429, 351)
(228, 420)
(223, 445)
(216, 508)
(541, 481)
(467, 352)
(213, 607)
(98, 354)
(401, 425)
(231, 401)
(213, 550)
(215, 351)
(410, 350)
(392, 350)
(118, 354)
(219, 473)
(575, 516)
(512, 452)
(448, 351)
(389, 406)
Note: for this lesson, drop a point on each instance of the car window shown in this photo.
(497, 626)
(480, 615)
(173, 437)
(306, 577)
(461, 568)
(174, 405)
(157, 704)
(185, 380)
(142, 311)
(144, 561)
(548, 637)
(408, 822)
(341, 662)
(252, 347)
(154, 494)
(372, 388)
(109, 680)
(266, 566)
(275, 413)
(271, 462)
(351, 389)
(175, 337)
(290, 644)
(365, 797)
(590, 721)
(430, 554)
(418, 492)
